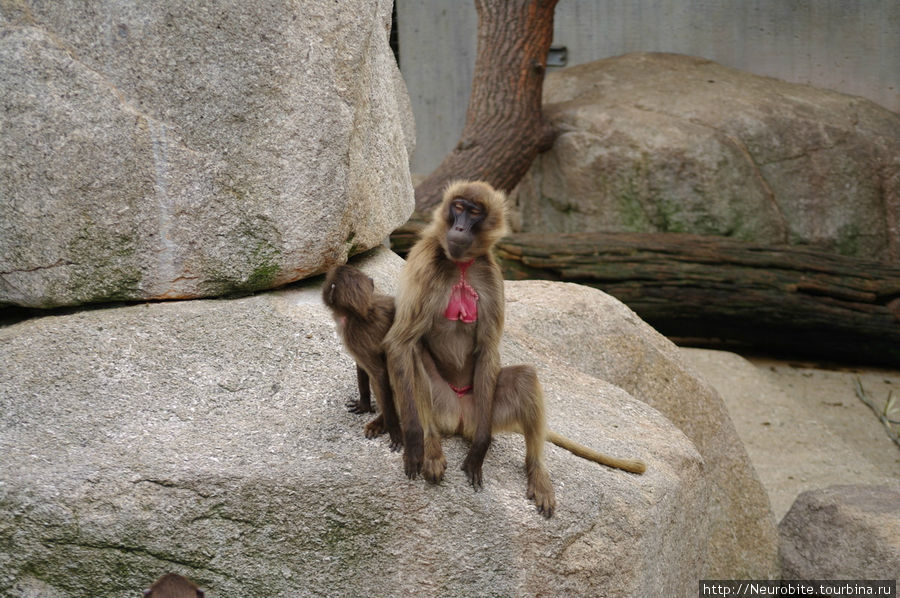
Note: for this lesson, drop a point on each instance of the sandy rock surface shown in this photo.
(210, 438)
(803, 425)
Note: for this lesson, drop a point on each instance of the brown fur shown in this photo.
(172, 585)
(427, 353)
(363, 318)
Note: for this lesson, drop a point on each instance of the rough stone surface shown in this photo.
(187, 149)
(809, 412)
(611, 343)
(210, 438)
(843, 532)
(670, 143)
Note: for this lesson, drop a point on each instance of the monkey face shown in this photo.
(470, 219)
(464, 217)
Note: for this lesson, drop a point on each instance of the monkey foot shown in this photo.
(541, 492)
(546, 504)
(433, 468)
(359, 407)
(375, 428)
(396, 442)
(473, 473)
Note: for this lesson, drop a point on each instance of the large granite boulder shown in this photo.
(670, 143)
(210, 438)
(608, 341)
(843, 532)
(188, 149)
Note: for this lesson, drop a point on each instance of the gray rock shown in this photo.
(210, 438)
(189, 149)
(669, 143)
(596, 334)
(843, 532)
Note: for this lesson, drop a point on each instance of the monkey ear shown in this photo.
(328, 287)
(147, 592)
(200, 594)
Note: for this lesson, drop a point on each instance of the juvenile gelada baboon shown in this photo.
(363, 318)
(443, 349)
(172, 585)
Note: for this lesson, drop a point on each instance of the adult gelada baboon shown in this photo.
(350, 295)
(443, 349)
(363, 318)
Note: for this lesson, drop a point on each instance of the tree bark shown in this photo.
(505, 128)
(776, 298)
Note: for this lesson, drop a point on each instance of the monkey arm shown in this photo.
(487, 368)
(407, 377)
(401, 371)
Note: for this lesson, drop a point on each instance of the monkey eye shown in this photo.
(459, 208)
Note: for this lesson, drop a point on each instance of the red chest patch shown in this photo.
(463, 303)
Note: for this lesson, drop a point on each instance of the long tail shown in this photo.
(631, 465)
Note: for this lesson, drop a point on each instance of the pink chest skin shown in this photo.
(463, 303)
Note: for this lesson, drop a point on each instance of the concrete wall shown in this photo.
(852, 46)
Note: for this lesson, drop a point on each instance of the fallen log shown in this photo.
(781, 299)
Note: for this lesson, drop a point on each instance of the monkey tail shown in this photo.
(579, 450)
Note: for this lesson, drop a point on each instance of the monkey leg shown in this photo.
(364, 404)
(387, 420)
(519, 407)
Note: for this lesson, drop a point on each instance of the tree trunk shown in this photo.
(504, 128)
(775, 298)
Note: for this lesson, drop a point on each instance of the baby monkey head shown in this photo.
(347, 291)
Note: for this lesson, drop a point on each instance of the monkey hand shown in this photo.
(378, 426)
(413, 453)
